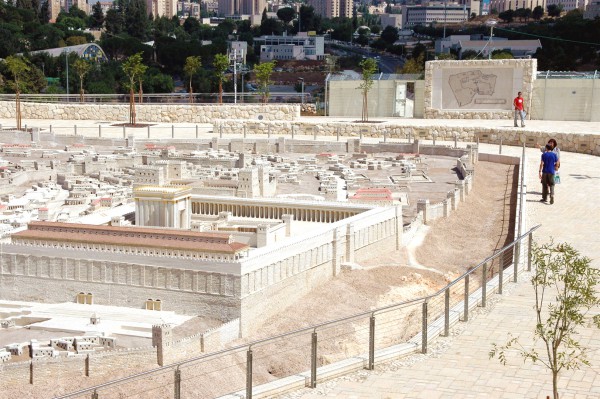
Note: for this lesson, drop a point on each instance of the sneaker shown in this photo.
(516, 125)
(543, 200)
(551, 199)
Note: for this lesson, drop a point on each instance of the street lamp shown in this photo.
(491, 23)
(67, 62)
(301, 80)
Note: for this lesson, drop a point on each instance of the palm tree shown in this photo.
(191, 67)
(17, 66)
(82, 67)
(263, 78)
(133, 68)
(221, 63)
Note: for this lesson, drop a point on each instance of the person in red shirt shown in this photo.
(519, 110)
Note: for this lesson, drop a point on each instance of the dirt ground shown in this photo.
(452, 245)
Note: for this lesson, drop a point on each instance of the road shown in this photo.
(387, 63)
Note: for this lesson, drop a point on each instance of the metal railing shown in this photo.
(251, 98)
(371, 331)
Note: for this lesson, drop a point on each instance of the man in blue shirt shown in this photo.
(547, 171)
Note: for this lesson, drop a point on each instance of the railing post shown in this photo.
(249, 374)
(447, 312)
(74, 130)
(371, 364)
(196, 131)
(99, 131)
(466, 300)
(244, 130)
(314, 133)
(500, 272)
(292, 132)
(87, 365)
(148, 131)
(385, 134)
(31, 372)
(433, 135)
(269, 131)
(313, 360)
(94, 394)
(360, 134)
(500, 147)
(516, 250)
(484, 286)
(172, 131)
(177, 384)
(337, 133)
(455, 141)
(124, 132)
(424, 329)
(529, 245)
(50, 129)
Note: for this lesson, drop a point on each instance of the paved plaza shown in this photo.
(462, 369)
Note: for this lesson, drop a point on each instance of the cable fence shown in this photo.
(306, 356)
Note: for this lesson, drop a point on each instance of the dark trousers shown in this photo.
(547, 183)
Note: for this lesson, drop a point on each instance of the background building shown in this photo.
(332, 8)
(503, 5)
(394, 20)
(299, 47)
(435, 13)
(162, 8)
(241, 7)
(569, 5)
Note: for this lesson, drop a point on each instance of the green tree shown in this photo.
(263, 74)
(507, 16)
(566, 290)
(502, 55)
(44, 16)
(368, 67)
(414, 65)
(82, 67)
(286, 14)
(537, 13)
(97, 17)
(390, 34)
(133, 69)
(18, 67)
(270, 26)
(554, 10)
(220, 63)
(191, 67)
(137, 23)
(114, 21)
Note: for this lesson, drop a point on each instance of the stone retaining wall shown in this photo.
(580, 143)
(163, 113)
(523, 73)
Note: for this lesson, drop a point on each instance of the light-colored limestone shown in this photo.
(204, 113)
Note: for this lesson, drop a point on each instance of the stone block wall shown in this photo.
(523, 77)
(59, 279)
(165, 113)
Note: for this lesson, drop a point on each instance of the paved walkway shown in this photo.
(163, 130)
(463, 369)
